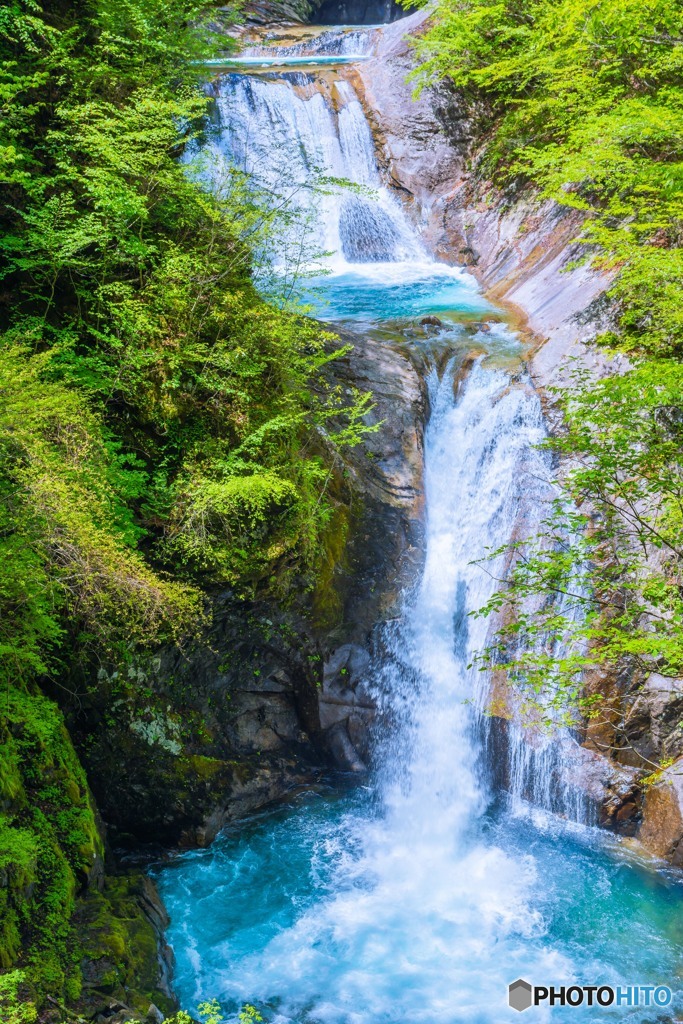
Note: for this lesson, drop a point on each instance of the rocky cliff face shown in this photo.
(182, 742)
(524, 251)
(320, 12)
(269, 699)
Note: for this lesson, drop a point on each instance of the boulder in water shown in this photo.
(432, 320)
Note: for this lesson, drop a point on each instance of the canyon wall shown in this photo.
(190, 738)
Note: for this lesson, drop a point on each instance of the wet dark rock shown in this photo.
(268, 12)
(470, 258)
(321, 12)
(347, 710)
(126, 963)
(358, 12)
(343, 750)
(653, 724)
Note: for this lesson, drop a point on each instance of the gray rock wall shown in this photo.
(269, 699)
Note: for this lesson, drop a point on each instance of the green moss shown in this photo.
(205, 768)
(119, 945)
(18, 873)
(328, 602)
(49, 843)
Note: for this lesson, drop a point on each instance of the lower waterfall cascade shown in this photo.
(419, 896)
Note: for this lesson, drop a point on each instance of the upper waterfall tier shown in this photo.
(307, 143)
(336, 42)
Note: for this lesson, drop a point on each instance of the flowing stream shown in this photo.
(418, 897)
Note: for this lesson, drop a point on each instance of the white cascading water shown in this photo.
(420, 907)
(421, 883)
(485, 483)
(292, 126)
(289, 134)
(352, 42)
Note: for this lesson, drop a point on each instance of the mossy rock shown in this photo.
(50, 844)
(118, 946)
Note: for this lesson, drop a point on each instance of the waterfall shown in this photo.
(300, 138)
(485, 481)
(418, 898)
(288, 131)
(354, 42)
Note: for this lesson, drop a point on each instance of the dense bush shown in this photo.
(158, 418)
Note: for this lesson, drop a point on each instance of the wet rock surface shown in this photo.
(358, 12)
(423, 141)
(521, 249)
(126, 962)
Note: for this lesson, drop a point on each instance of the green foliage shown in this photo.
(582, 101)
(210, 1013)
(605, 580)
(585, 101)
(14, 1009)
(49, 841)
(163, 429)
(158, 418)
(67, 535)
